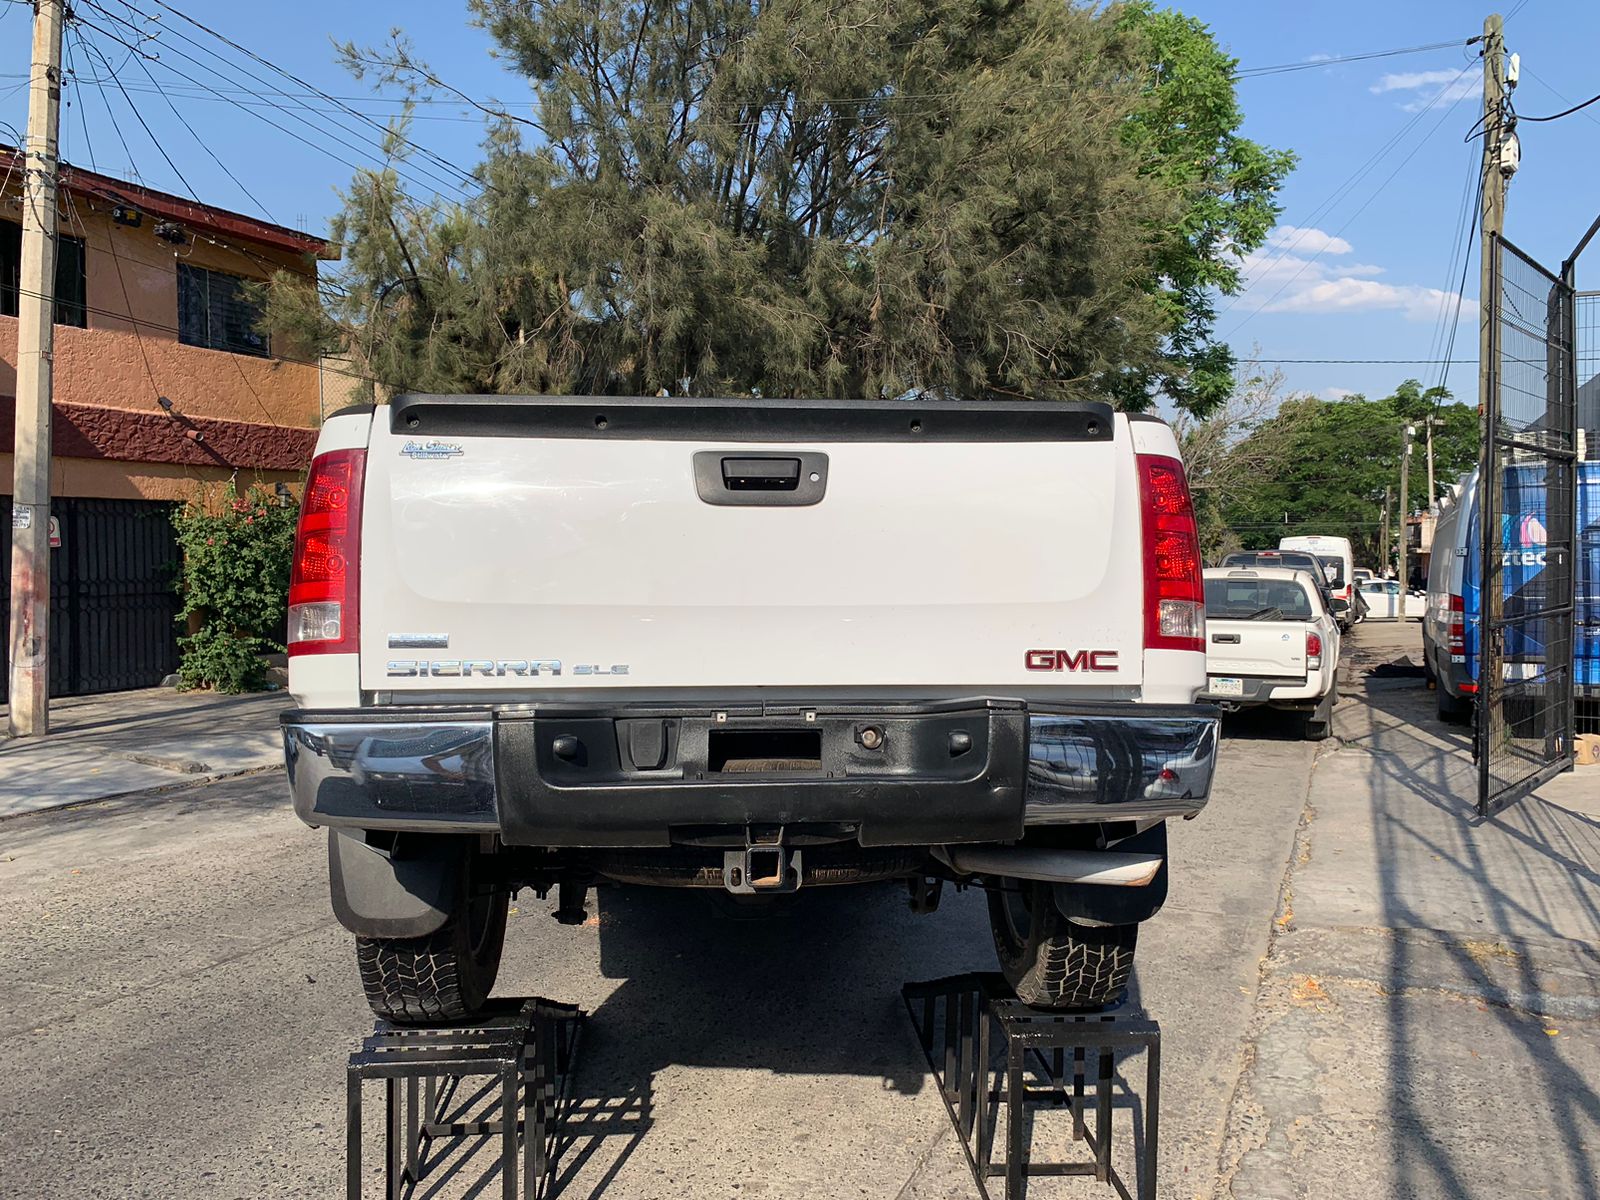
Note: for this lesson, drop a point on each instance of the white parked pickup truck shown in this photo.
(554, 642)
(1271, 641)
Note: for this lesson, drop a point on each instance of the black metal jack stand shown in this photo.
(529, 1045)
(983, 1045)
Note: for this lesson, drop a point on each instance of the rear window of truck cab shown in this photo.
(1246, 599)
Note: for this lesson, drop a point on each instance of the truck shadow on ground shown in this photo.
(1262, 725)
(1530, 870)
(799, 986)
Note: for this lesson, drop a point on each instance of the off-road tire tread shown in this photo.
(432, 979)
(1071, 973)
(412, 980)
(1066, 965)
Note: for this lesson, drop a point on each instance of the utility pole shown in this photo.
(29, 693)
(1383, 542)
(1407, 433)
(1493, 224)
(1428, 423)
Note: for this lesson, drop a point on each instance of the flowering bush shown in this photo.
(235, 578)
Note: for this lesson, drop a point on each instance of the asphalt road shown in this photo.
(180, 1004)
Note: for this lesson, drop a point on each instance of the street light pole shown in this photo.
(29, 685)
(1408, 432)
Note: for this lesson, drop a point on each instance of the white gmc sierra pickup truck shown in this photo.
(755, 645)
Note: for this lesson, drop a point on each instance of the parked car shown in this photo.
(1382, 600)
(555, 642)
(1270, 640)
(1298, 560)
(1361, 575)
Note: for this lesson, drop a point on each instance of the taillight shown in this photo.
(1456, 640)
(1313, 651)
(326, 574)
(1174, 598)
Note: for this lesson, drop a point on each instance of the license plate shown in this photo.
(1226, 687)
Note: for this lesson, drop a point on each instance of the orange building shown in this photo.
(164, 382)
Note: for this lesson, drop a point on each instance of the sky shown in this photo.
(1366, 262)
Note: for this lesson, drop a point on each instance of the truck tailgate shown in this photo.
(1256, 648)
(558, 546)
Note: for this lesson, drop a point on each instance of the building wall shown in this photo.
(146, 481)
(253, 411)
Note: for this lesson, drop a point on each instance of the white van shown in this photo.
(1338, 563)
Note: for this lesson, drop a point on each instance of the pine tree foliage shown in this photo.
(975, 198)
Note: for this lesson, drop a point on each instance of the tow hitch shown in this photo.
(765, 865)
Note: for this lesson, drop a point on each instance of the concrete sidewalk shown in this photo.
(102, 746)
(1428, 1019)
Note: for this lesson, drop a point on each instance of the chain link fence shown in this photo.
(1527, 494)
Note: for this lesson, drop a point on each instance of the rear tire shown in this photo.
(1452, 709)
(445, 976)
(1051, 962)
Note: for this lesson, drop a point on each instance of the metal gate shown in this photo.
(113, 601)
(1526, 523)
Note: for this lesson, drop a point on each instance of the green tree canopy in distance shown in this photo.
(1332, 460)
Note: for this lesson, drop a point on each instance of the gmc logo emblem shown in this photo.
(1070, 660)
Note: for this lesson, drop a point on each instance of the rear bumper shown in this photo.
(961, 771)
(1269, 690)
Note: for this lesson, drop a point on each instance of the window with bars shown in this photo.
(71, 289)
(215, 311)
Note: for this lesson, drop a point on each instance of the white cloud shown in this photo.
(1428, 87)
(1298, 272)
(1318, 57)
(1305, 240)
(1344, 294)
(1336, 393)
(1408, 80)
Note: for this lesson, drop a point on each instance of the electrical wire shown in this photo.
(387, 131)
(1459, 247)
(1566, 112)
(1364, 207)
(322, 131)
(1311, 65)
(1326, 206)
(158, 327)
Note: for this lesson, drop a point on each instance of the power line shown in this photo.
(387, 131)
(1338, 194)
(1378, 191)
(1566, 112)
(158, 327)
(323, 131)
(1313, 64)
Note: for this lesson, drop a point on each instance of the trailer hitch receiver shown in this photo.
(764, 866)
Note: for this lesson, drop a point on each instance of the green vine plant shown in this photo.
(235, 580)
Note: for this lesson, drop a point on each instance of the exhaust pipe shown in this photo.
(1052, 866)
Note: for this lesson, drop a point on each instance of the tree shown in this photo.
(1187, 133)
(1332, 460)
(973, 198)
(1229, 452)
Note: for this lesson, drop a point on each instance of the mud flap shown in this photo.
(1102, 904)
(410, 892)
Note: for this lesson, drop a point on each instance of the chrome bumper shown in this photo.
(431, 770)
(423, 773)
(1092, 767)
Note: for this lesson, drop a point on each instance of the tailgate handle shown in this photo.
(728, 477)
(1229, 639)
(761, 474)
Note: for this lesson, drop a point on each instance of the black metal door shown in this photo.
(113, 604)
(1526, 501)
